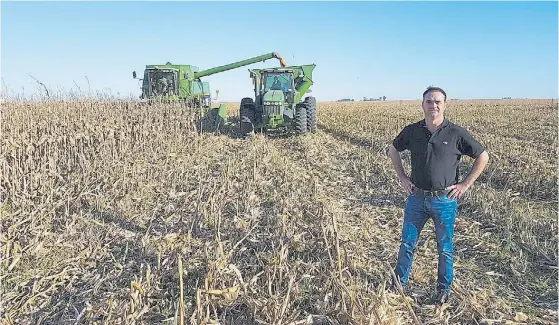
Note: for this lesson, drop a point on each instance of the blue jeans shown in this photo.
(418, 210)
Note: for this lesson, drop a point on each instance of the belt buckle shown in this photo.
(433, 193)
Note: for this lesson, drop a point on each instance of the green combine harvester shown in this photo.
(278, 102)
(181, 83)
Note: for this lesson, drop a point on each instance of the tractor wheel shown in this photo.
(312, 124)
(246, 116)
(246, 100)
(301, 118)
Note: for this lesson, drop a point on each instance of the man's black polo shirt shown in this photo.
(435, 157)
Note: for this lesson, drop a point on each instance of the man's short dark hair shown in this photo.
(433, 88)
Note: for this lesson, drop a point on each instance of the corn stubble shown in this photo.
(114, 213)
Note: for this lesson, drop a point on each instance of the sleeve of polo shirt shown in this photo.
(401, 142)
(469, 146)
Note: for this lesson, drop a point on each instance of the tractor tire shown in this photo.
(246, 116)
(301, 118)
(312, 121)
(246, 100)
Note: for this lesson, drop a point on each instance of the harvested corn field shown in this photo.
(115, 213)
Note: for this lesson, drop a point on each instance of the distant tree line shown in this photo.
(365, 99)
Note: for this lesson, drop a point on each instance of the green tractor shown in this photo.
(278, 102)
(182, 83)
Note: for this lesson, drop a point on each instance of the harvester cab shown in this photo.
(161, 82)
(282, 101)
(172, 82)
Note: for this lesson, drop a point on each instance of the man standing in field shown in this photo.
(436, 146)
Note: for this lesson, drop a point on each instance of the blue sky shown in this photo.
(395, 49)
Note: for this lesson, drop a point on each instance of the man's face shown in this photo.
(433, 104)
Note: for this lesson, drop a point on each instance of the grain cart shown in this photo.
(181, 83)
(278, 102)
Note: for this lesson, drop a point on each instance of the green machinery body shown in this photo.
(163, 81)
(280, 101)
(181, 82)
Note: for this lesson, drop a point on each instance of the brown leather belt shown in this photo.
(430, 193)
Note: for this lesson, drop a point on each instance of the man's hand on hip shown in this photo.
(408, 185)
(457, 190)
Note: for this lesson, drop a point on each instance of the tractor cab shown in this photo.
(276, 88)
(275, 80)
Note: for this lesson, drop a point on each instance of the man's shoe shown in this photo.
(442, 297)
